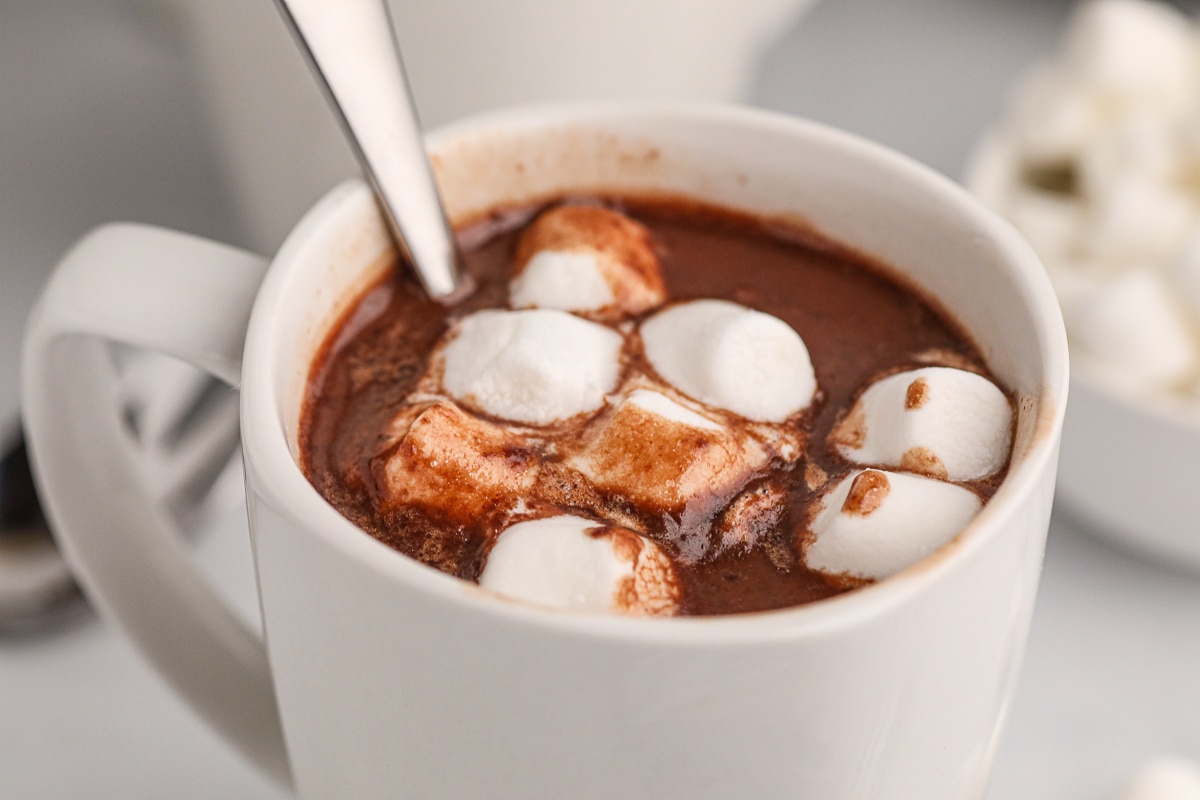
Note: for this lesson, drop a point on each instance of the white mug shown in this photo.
(380, 677)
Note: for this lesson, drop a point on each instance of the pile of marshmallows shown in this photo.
(566, 396)
(1097, 163)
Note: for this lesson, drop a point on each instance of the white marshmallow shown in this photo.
(1188, 137)
(1132, 324)
(731, 357)
(587, 259)
(1164, 778)
(873, 524)
(568, 281)
(993, 173)
(531, 366)
(1051, 222)
(1138, 220)
(1118, 107)
(1183, 272)
(940, 421)
(582, 565)
(1137, 146)
(1051, 117)
(1131, 47)
(1075, 282)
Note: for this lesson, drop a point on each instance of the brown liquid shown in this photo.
(855, 322)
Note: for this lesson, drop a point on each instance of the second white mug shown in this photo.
(280, 148)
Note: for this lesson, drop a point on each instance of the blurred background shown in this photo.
(200, 115)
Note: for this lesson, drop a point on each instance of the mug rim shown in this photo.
(272, 471)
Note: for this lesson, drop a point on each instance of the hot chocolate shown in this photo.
(656, 407)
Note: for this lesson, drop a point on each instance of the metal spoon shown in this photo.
(352, 49)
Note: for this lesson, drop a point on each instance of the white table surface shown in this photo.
(99, 121)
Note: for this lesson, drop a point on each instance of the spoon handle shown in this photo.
(352, 49)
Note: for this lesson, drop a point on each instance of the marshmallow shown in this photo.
(586, 259)
(659, 405)
(1076, 282)
(1115, 112)
(454, 462)
(992, 172)
(1051, 222)
(655, 451)
(534, 367)
(1136, 146)
(1164, 778)
(873, 524)
(1183, 273)
(1138, 220)
(939, 421)
(1129, 47)
(1132, 324)
(569, 281)
(1187, 134)
(1050, 117)
(731, 357)
(578, 564)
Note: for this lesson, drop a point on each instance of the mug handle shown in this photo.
(185, 297)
